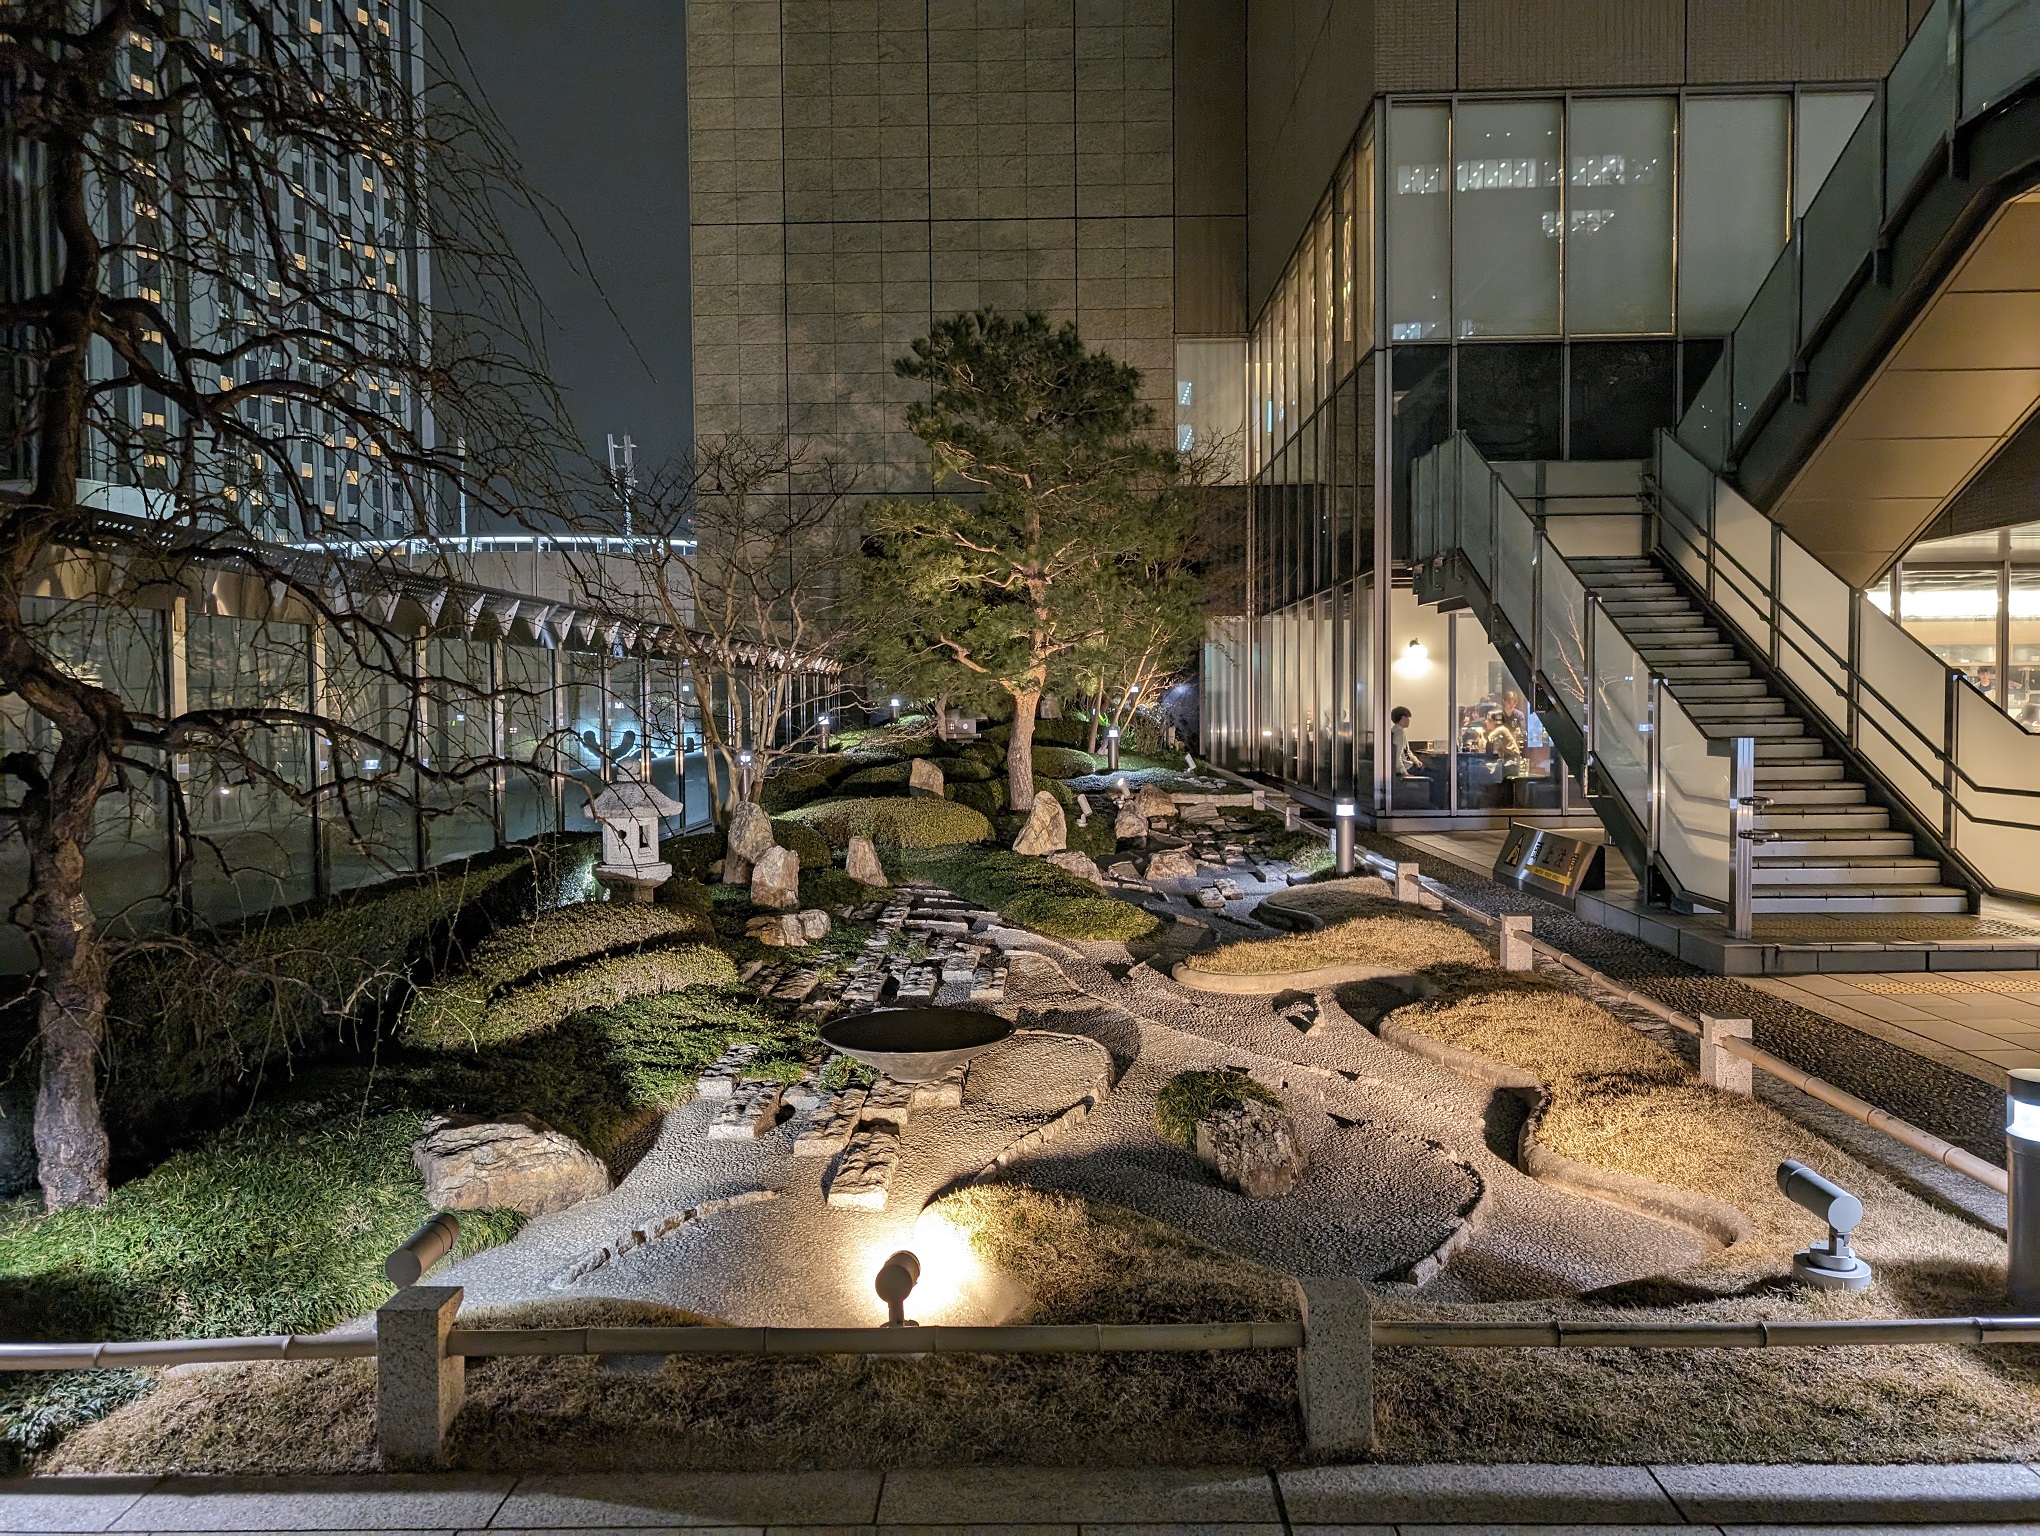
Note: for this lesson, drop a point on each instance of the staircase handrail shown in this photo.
(1966, 59)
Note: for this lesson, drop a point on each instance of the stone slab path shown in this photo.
(1365, 1500)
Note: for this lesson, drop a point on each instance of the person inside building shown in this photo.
(1407, 764)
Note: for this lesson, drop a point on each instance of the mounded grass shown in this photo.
(1079, 1262)
(532, 974)
(894, 823)
(1031, 893)
(1053, 762)
(1189, 1097)
(808, 845)
(1387, 934)
(799, 777)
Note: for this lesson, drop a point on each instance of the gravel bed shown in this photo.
(1949, 1103)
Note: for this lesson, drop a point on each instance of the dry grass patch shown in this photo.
(1080, 1262)
(1331, 900)
(1384, 933)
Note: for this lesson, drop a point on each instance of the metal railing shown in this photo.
(1682, 792)
(1966, 58)
(1965, 771)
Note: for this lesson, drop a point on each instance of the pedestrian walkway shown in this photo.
(1979, 1022)
(1368, 1500)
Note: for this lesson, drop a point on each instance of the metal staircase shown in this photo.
(1820, 845)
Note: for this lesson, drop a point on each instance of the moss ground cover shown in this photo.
(1382, 933)
(894, 823)
(1188, 1097)
(1031, 893)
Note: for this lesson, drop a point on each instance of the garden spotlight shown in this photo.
(895, 1283)
(424, 1248)
(1834, 1267)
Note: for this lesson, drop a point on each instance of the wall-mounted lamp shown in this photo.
(1415, 660)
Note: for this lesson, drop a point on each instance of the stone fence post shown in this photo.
(1335, 1367)
(1512, 940)
(1407, 890)
(418, 1385)
(1720, 1068)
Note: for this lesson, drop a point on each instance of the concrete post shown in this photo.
(1720, 1068)
(1513, 943)
(1335, 1367)
(1407, 890)
(418, 1386)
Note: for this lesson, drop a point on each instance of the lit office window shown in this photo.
(1731, 205)
(1826, 119)
(1419, 224)
(1618, 219)
(1953, 610)
(1505, 213)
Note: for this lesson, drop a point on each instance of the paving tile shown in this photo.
(693, 1499)
(1165, 1529)
(1091, 1496)
(1435, 1494)
(389, 1502)
(1518, 1529)
(1993, 1529)
(67, 1503)
(1972, 1491)
(966, 1530)
(661, 1530)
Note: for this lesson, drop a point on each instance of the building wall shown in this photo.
(861, 168)
(1312, 66)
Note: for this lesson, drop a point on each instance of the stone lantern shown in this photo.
(628, 812)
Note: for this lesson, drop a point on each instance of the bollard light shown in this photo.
(1342, 836)
(424, 1248)
(823, 722)
(896, 1280)
(1112, 750)
(2022, 1202)
(1835, 1267)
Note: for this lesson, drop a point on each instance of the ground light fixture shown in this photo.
(823, 722)
(897, 1277)
(2022, 1202)
(1342, 835)
(1112, 750)
(1834, 1267)
(433, 1241)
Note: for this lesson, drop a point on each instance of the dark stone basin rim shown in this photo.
(916, 1031)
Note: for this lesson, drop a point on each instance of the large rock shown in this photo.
(750, 839)
(517, 1163)
(861, 863)
(1046, 831)
(1152, 802)
(1079, 864)
(775, 880)
(1173, 864)
(784, 931)
(1129, 823)
(924, 777)
(1252, 1147)
(814, 924)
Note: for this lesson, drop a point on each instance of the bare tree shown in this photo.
(220, 376)
(743, 557)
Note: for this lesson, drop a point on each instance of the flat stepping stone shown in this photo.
(720, 1080)
(748, 1113)
(864, 1173)
(945, 1092)
(832, 1129)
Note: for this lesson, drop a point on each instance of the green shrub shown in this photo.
(886, 777)
(803, 839)
(990, 753)
(987, 797)
(1097, 839)
(832, 888)
(193, 1023)
(1031, 893)
(1063, 762)
(691, 854)
(530, 1008)
(901, 823)
(966, 769)
(1068, 732)
(800, 777)
(1189, 1097)
(1063, 794)
(454, 1011)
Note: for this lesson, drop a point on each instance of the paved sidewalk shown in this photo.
(1369, 1500)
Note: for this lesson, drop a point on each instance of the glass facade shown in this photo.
(1974, 601)
(1552, 276)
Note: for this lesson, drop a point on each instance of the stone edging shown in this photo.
(652, 1231)
(1713, 1219)
(1041, 1136)
(1267, 982)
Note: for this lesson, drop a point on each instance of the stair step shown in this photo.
(1705, 672)
(1823, 818)
(1637, 606)
(1914, 872)
(1814, 794)
(1831, 845)
(1663, 657)
(1819, 770)
(1788, 726)
(1706, 710)
(1728, 689)
(1793, 749)
(1847, 900)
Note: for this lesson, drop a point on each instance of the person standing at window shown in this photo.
(1407, 763)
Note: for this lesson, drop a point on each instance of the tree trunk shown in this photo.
(1091, 741)
(942, 717)
(1020, 749)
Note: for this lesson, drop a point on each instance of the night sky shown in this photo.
(594, 94)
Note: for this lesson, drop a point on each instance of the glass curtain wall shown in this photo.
(1551, 276)
(1974, 601)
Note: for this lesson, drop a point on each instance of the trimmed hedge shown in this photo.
(799, 777)
(885, 778)
(967, 770)
(192, 1024)
(1189, 1097)
(987, 798)
(1063, 762)
(804, 840)
(531, 1008)
(895, 823)
(456, 1010)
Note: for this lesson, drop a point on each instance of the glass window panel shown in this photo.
(1419, 224)
(1622, 391)
(1826, 119)
(1511, 400)
(1422, 380)
(2022, 680)
(1731, 205)
(1211, 403)
(1697, 359)
(1362, 271)
(1618, 218)
(1952, 610)
(1505, 218)
(1327, 377)
(526, 687)
(1344, 329)
(1419, 680)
